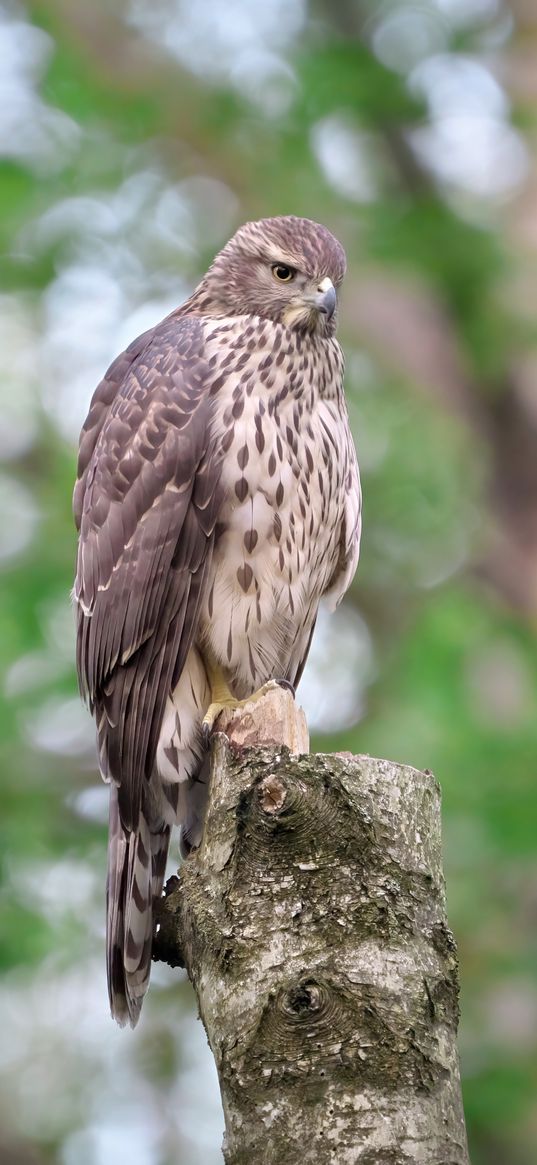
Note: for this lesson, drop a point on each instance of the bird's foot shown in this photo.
(213, 712)
(227, 702)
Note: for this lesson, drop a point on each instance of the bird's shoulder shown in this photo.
(155, 383)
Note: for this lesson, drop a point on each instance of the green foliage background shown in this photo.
(135, 138)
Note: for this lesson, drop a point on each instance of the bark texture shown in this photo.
(312, 924)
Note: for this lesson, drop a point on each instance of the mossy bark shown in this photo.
(312, 924)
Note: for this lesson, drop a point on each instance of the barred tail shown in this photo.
(136, 867)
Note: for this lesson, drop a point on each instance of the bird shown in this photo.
(217, 502)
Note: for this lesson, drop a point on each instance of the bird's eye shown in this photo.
(283, 273)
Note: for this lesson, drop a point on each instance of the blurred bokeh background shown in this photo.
(134, 137)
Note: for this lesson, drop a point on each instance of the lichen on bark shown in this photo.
(312, 924)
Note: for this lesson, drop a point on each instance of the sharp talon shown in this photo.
(209, 721)
(287, 687)
(224, 701)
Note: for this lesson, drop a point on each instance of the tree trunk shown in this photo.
(312, 924)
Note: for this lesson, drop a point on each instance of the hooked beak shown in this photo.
(304, 310)
(325, 300)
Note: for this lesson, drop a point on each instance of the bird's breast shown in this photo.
(277, 547)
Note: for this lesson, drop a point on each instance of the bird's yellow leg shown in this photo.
(222, 698)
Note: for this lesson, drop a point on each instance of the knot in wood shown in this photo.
(309, 1002)
(307, 1023)
(303, 999)
(272, 794)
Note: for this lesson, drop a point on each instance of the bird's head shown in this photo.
(284, 269)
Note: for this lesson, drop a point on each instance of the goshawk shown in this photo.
(217, 502)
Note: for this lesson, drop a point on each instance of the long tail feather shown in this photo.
(136, 867)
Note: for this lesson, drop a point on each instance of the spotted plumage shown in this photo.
(217, 501)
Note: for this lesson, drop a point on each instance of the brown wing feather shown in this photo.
(99, 408)
(147, 504)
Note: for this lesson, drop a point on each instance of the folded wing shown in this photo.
(146, 505)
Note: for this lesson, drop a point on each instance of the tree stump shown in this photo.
(312, 925)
